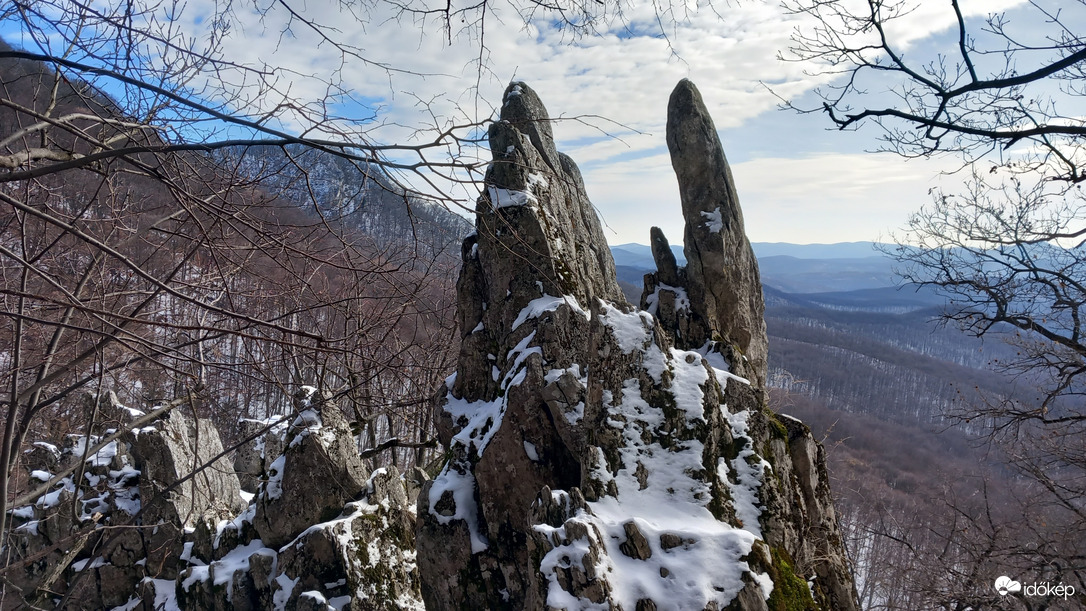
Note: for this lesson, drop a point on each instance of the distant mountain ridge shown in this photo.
(838, 250)
(844, 331)
(790, 268)
(634, 254)
(639, 256)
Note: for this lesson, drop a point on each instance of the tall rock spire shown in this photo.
(606, 457)
(721, 277)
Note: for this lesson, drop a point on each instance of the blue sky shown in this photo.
(798, 181)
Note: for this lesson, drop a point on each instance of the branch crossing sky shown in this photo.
(798, 181)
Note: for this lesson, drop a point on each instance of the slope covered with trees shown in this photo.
(180, 279)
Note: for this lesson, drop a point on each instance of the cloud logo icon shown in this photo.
(1005, 585)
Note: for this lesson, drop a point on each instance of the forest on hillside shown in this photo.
(220, 280)
(928, 506)
(203, 234)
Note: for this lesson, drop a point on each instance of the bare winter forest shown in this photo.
(180, 232)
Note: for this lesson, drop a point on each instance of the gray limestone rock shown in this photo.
(41, 543)
(366, 554)
(726, 308)
(359, 556)
(804, 521)
(41, 457)
(108, 411)
(251, 459)
(523, 250)
(175, 498)
(600, 455)
(142, 482)
(231, 585)
(722, 276)
(667, 270)
(318, 472)
(166, 456)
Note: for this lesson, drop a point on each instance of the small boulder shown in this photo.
(317, 474)
(175, 499)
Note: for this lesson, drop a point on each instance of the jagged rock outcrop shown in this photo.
(721, 274)
(319, 533)
(365, 554)
(318, 472)
(361, 559)
(141, 478)
(604, 457)
(165, 457)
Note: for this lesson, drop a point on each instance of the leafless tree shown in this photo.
(1005, 98)
(151, 245)
(1004, 89)
(142, 252)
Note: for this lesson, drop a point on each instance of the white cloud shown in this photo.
(817, 199)
(624, 74)
(836, 198)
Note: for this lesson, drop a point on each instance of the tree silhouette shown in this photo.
(1005, 98)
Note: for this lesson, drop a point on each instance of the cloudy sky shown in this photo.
(798, 181)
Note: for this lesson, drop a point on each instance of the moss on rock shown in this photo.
(790, 591)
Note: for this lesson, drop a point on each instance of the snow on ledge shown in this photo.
(713, 221)
(632, 331)
(547, 303)
(682, 300)
(462, 488)
(749, 470)
(508, 198)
